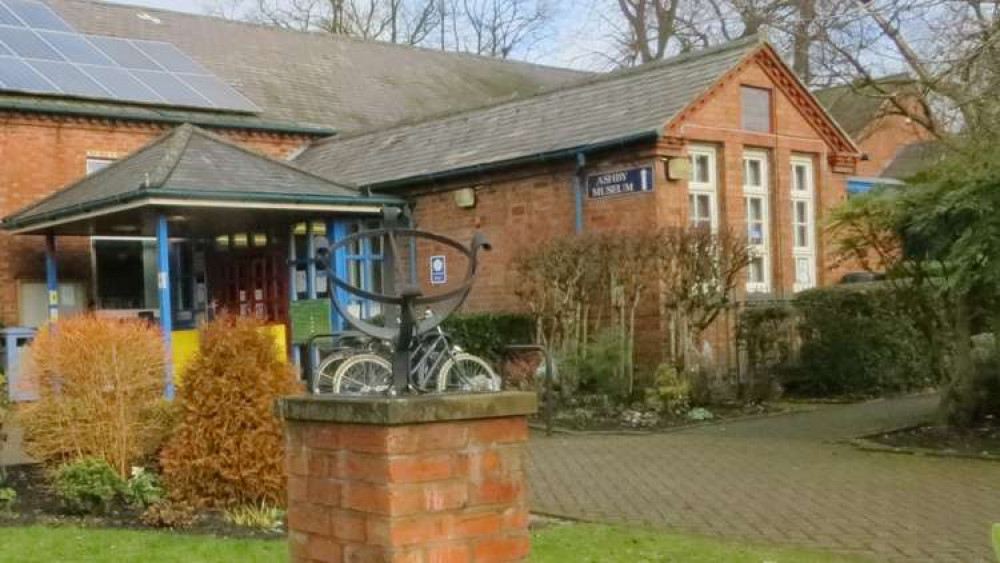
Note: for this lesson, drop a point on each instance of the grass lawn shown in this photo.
(569, 543)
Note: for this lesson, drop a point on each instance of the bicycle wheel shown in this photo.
(323, 377)
(465, 372)
(364, 374)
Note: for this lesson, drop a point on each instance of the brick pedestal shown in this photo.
(430, 479)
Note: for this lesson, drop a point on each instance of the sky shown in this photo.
(567, 46)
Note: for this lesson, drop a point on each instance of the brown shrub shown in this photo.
(99, 381)
(228, 446)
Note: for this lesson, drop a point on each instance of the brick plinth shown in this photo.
(432, 479)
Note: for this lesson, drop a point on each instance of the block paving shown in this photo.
(782, 480)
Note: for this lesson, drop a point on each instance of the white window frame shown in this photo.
(760, 192)
(95, 163)
(703, 188)
(803, 195)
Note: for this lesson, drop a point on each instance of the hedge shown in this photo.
(858, 339)
(487, 334)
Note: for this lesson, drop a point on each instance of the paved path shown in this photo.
(780, 480)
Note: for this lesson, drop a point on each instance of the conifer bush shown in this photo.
(227, 449)
(100, 385)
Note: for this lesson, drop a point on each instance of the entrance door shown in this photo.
(251, 282)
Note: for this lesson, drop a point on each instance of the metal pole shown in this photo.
(581, 161)
(313, 350)
(166, 305)
(51, 276)
(293, 290)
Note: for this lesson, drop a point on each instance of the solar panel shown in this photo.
(171, 88)
(69, 78)
(75, 48)
(7, 17)
(37, 15)
(41, 53)
(27, 43)
(121, 84)
(218, 92)
(15, 74)
(169, 57)
(123, 52)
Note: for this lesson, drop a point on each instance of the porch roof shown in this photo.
(195, 169)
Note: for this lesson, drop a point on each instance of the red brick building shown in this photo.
(49, 139)
(766, 159)
(523, 141)
(881, 131)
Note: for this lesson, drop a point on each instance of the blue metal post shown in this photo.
(581, 161)
(293, 290)
(51, 276)
(166, 308)
(337, 229)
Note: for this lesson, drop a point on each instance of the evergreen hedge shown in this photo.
(858, 339)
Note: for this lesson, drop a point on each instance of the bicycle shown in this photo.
(346, 344)
(438, 366)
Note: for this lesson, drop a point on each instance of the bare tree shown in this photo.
(949, 49)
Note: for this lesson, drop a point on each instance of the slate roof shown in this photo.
(193, 164)
(912, 159)
(318, 78)
(854, 107)
(611, 108)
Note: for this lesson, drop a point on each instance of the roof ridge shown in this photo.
(177, 140)
(194, 129)
(329, 35)
(595, 79)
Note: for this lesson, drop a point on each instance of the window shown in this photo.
(756, 109)
(95, 164)
(803, 224)
(755, 195)
(702, 189)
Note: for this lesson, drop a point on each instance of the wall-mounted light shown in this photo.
(465, 198)
(124, 228)
(678, 168)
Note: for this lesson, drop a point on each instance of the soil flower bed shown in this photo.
(981, 441)
(36, 503)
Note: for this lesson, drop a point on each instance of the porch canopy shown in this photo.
(205, 185)
(193, 185)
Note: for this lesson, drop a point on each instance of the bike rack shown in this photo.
(408, 296)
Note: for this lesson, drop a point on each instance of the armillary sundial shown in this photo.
(417, 355)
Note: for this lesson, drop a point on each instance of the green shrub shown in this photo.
(670, 392)
(260, 517)
(8, 497)
(766, 333)
(487, 334)
(597, 366)
(858, 340)
(143, 488)
(88, 486)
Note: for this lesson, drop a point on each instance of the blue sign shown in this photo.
(633, 180)
(439, 270)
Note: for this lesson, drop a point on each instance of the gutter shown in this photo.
(12, 223)
(539, 158)
(153, 115)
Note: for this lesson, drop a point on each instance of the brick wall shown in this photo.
(883, 139)
(448, 492)
(41, 154)
(517, 210)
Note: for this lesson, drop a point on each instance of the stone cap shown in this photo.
(415, 409)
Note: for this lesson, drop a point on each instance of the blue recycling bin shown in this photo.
(15, 341)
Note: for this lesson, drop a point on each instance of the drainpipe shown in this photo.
(581, 162)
